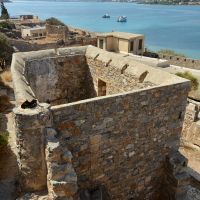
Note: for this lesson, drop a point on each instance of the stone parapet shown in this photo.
(181, 61)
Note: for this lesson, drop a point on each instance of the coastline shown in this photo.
(171, 4)
(168, 27)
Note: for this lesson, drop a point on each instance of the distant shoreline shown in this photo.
(168, 4)
(6, 1)
(148, 2)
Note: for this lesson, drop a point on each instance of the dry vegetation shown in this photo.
(189, 76)
(6, 76)
(4, 99)
(3, 139)
(170, 52)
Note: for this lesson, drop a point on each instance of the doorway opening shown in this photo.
(101, 88)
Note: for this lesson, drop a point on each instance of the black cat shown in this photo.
(29, 104)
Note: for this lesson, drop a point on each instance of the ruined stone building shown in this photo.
(34, 33)
(104, 125)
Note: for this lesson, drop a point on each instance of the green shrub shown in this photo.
(54, 21)
(3, 139)
(170, 52)
(5, 25)
(6, 51)
(190, 77)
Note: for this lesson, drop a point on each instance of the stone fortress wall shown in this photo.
(181, 61)
(112, 122)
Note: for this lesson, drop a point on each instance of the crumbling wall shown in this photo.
(190, 136)
(58, 32)
(61, 177)
(121, 141)
(191, 127)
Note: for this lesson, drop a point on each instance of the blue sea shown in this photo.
(171, 27)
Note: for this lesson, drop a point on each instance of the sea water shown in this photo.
(164, 26)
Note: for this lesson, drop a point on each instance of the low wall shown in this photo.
(182, 61)
(121, 141)
(24, 46)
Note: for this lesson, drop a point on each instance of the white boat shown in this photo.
(106, 16)
(122, 19)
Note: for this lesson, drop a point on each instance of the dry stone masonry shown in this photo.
(103, 126)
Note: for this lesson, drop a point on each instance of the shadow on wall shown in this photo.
(80, 84)
(97, 193)
(8, 173)
(62, 79)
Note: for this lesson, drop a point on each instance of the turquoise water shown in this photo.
(173, 27)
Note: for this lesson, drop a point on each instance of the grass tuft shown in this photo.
(6, 76)
(190, 77)
(170, 52)
(3, 139)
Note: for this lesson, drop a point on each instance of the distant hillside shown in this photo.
(5, 1)
(164, 2)
(170, 2)
(66, 0)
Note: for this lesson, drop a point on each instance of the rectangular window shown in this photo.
(131, 46)
(101, 88)
(140, 44)
(101, 44)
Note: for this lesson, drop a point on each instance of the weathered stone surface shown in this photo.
(31, 141)
(120, 148)
(190, 137)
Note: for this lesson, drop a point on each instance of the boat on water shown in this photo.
(106, 16)
(122, 19)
